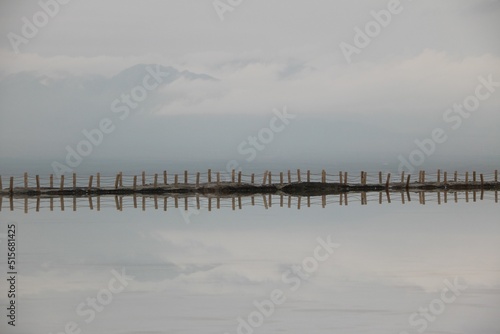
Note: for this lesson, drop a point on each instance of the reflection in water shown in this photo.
(198, 202)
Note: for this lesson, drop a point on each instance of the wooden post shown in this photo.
(402, 178)
(362, 177)
(340, 177)
(298, 175)
(388, 180)
(117, 179)
(37, 183)
(135, 183)
(176, 180)
(1, 187)
(252, 178)
(165, 181)
(264, 179)
(121, 180)
(379, 177)
(474, 177)
(269, 181)
(25, 180)
(74, 180)
(155, 183)
(323, 176)
(62, 183)
(455, 176)
(439, 176)
(239, 177)
(482, 181)
(496, 175)
(423, 176)
(408, 182)
(91, 177)
(289, 177)
(218, 178)
(233, 176)
(11, 185)
(466, 178)
(143, 178)
(98, 181)
(308, 175)
(445, 176)
(281, 178)
(51, 181)
(345, 178)
(209, 176)
(198, 179)
(185, 177)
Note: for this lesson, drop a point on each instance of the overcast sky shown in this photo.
(368, 94)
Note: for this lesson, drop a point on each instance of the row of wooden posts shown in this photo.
(267, 179)
(267, 200)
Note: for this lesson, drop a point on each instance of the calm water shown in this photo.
(385, 269)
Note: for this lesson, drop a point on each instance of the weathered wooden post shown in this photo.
(233, 176)
(439, 176)
(423, 176)
(340, 177)
(264, 178)
(474, 177)
(62, 183)
(155, 182)
(37, 183)
(198, 179)
(185, 177)
(25, 180)
(239, 178)
(380, 178)
(74, 181)
(466, 178)
(121, 180)
(362, 177)
(455, 176)
(281, 178)
(298, 175)
(269, 181)
(445, 176)
(387, 182)
(209, 176)
(1, 187)
(11, 185)
(91, 178)
(289, 176)
(496, 175)
(308, 175)
(252, 178)
(176, 180)
(402, 178)
(135, 184)
(345, 178)
(143, 178)
(218, 178)
(323, 176)
(117, 179)
(408, 182)
(165, 181)
(51, 181)
(482, 181)
(98, 180)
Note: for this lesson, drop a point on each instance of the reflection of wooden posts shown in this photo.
(210, 204)
(26, 205)
(379, 197)
(74, 181)
(289, 177)
(253, 200)
(91, 178)
(165, 180)
(346, 199)
(143, 203)
(218, 202)
(270, 200)
(98, 180)
(135, 183)
(445, 195)
(198, 202)
(11, 203)
(121, 203)
(74, 203)
(51, 181)
(289, 201)
(186, 177)
(209, 176)
(135, 200)
(308, 201)
(116, 203)
(467, 196)
(186, 203)
(143, 178)
(402, 198)
(298, 202)
(388, 181)
(380, 178)
(62, 183)
(423, 197)
(239, 202)
(388, 197)
(155, 181)
(25, 180)
(37, 183)
(198, 179)
(233, 203)
(323, 201)
(239, 178)
(176, 180)
(176, 202)
(482, 180)
(265, 201)
(165, 203)
(37, 203)
(496, 196)
(482, 194)
(252, 178)
(281, 200)
(308, 175)
(51, 204)
(439, 176)
(341, 199)
(439, 198)
(298, 175)
(233, 176)
(61, 198)
(98, 203)
(281, 178)
(408, 196)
